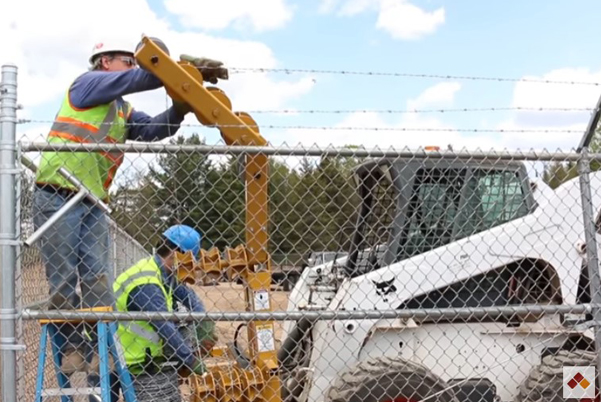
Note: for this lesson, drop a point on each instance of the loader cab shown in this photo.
(411, 206)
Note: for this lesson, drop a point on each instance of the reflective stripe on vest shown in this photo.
(138, 338)
(143, 332)
(80, 131)
(119, 292)
(102, 124)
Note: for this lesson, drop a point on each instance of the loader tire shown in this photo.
(387, 379)
(545, 381)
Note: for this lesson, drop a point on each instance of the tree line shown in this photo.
(311, 202)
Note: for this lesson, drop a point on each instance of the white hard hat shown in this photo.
(110, 46)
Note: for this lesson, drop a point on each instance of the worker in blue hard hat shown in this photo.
(155, 284)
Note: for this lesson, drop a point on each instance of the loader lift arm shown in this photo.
(184, 82)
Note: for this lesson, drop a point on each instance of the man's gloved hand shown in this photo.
(199, 368)
(210, 69)
(205, 333)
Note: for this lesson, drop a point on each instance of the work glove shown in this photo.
(199, 368)
(210, 69)
(205, 333)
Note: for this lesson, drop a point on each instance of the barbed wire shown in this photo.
(338, 128)
(242, 70)
(408, 111)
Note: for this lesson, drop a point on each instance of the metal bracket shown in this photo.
(17, 347)
(8, 242)
(9, 170)
(9, 344)
(8, 314)
(583, 326)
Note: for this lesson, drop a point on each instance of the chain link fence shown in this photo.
(397, 275)
(33, 291)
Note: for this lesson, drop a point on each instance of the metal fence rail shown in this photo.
(451, 275)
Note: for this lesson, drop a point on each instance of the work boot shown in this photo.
(73, 361)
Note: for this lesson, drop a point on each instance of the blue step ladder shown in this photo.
(106, 345)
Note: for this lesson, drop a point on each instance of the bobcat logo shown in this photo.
(384, 288)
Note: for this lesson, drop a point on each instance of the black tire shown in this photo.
(385, 379)
(545, 381)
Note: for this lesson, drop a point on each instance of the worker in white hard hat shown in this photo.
(75, 249)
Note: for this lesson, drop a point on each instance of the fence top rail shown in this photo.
(535, 155)
(499, 311)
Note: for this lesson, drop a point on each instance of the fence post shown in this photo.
(8, 241)
(592, 254)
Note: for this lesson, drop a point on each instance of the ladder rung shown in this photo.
(71, 391)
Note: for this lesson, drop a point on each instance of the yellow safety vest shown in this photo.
(136, 337)
(103, 124)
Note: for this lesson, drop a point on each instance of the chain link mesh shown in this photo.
(417, 234)
(386, 275)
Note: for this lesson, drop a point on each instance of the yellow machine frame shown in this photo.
(183, 82)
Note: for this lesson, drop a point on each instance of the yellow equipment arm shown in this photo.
(183, 82)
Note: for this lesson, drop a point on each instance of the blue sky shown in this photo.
(551, 39)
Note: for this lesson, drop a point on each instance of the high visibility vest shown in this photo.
(136, 337)
(103, 124)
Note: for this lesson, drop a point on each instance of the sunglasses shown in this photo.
(130, 61)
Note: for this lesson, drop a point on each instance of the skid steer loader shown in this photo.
(431, 233)
(448, 234)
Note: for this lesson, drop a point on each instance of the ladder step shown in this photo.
(71, 391)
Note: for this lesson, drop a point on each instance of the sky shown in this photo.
(414, 43)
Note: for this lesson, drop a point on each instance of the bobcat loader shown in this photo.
(446, 234)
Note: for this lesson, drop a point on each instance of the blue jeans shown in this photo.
(74, 250)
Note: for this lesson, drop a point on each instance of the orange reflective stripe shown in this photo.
(67, 136)
(109, 180)
(77, 123)
(112, 171)
(87, 132)
(114, 159)
(111, 157)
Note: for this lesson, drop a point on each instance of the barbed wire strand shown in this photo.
(409, 111)
(404, 111)
(242, 70)
(343, 128)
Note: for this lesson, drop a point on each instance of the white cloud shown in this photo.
(353, 7)
(403, 20)
(399, 18)
(49, 59)
(261, 15)
(412, 130)
(538, 95)
(548, 95)
(41, 44)
(443, 92)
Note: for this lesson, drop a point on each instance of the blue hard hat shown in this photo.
(184, 237)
